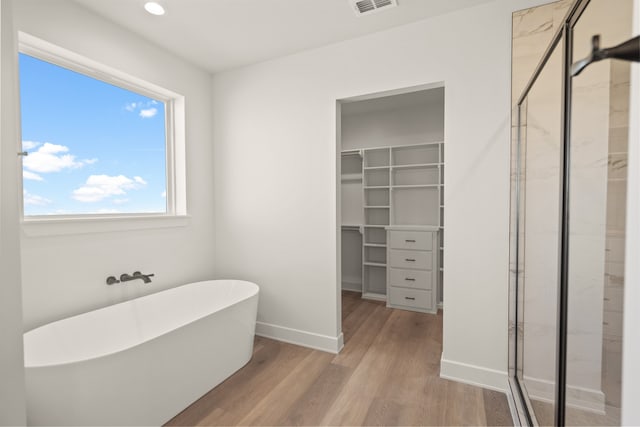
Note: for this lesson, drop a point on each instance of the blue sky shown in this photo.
(93, 147)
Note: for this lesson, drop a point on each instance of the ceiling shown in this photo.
(223, 34)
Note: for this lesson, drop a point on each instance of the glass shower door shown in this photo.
(570, 173)
(597, 202)
(540, 180)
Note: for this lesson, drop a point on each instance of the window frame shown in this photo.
(175, 168)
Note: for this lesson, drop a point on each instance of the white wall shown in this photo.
(65, 275)
(12, 394)
(393, 121)
(631, 340)
(275, 176)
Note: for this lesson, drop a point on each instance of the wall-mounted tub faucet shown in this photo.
(146, 278)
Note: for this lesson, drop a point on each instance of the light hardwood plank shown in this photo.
(387, 374)
(311, 407)
(370, 322)
(274, 407)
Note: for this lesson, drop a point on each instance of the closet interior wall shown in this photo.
(392, 175)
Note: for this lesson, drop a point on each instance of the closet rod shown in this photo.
(353, 228)
(352, 153)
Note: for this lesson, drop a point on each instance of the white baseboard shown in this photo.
(302, 338)
(577, 397)
(474, 375)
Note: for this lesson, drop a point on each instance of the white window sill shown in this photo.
(37, 227)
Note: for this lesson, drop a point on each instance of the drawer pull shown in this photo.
(411, 298)
(410, 259)
(410, 279)
(410, 240)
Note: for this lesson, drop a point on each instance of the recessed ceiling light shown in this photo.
(154, 8)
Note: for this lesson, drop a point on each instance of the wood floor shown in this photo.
(387, 374)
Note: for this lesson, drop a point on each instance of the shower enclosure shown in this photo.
(569, 177)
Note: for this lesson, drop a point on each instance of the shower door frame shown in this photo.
(523, 407)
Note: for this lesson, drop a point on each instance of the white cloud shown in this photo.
(29, 145)
(148, 113)
(163, 195)
(146, 110)
(139, 180)
(120, 201)
(34, 199)
(31, 175)
(100, 187)
(52, 158)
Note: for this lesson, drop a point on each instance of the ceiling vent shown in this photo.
(365, 7)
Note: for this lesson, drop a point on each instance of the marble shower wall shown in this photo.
(532, 31)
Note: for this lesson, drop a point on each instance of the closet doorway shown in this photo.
(391, 200)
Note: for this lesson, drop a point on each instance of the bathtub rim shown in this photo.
(253, 294)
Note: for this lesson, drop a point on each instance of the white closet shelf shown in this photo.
(416, 186)
(416, 166)
(377, 207)
(374, 226)
(374, 264)
(375, 187)
(369, 168)
(396, 147)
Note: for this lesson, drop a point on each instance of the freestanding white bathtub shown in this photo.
(142, 361)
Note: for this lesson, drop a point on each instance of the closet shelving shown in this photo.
(400, 185)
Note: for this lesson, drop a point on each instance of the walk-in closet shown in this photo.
(392, 198)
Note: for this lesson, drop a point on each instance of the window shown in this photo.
(98, 143)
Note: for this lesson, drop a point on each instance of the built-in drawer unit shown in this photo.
(414, 240)
(412, 298)
(422, 260)
(412, 278)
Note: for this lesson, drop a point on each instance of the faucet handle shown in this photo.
(111, 280)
